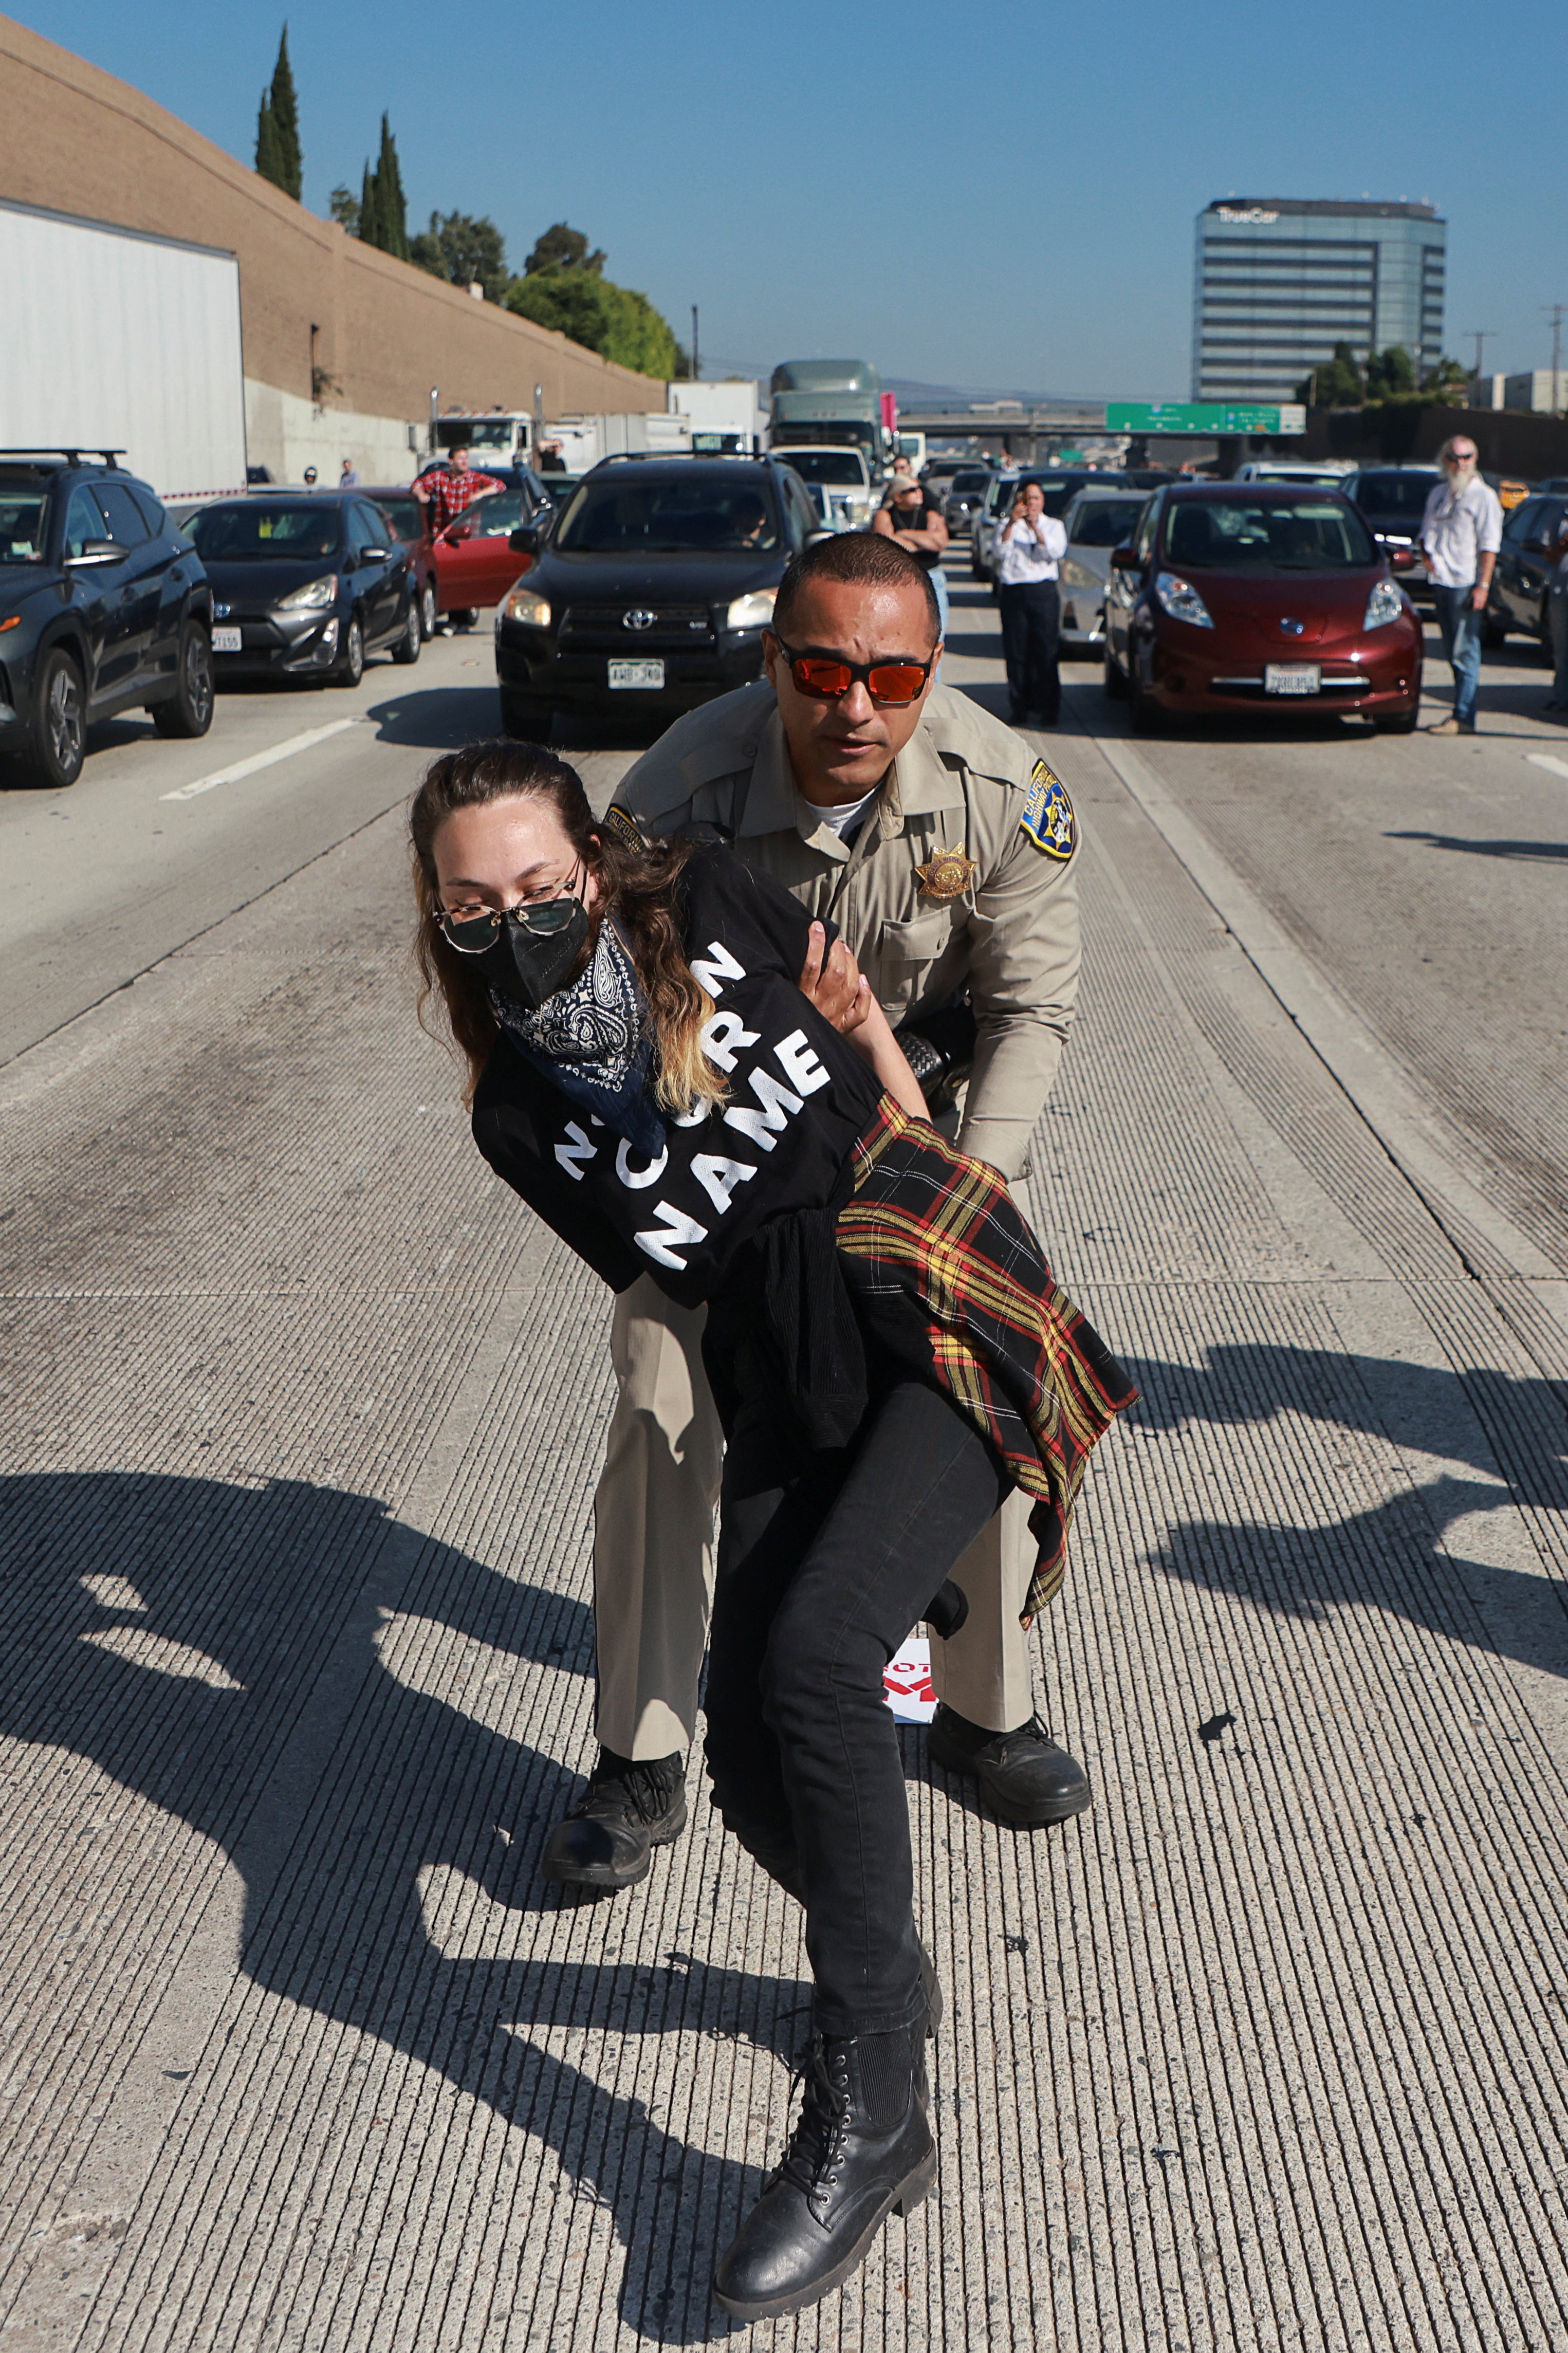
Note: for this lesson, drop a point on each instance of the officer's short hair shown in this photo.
(869, 558)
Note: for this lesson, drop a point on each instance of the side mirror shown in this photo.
(524, 541)
(98, 551)
(373, 555)
(1126, 558)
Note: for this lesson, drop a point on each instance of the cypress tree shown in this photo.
(391, 206)
(268, 156)
(369, 228)
(286, 117)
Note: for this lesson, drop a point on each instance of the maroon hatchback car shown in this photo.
(1238, 596)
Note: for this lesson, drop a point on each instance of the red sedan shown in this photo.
(1236, 596)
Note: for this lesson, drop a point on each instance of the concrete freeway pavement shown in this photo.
(301, 1423)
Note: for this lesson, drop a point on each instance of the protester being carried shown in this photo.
(887, 1344)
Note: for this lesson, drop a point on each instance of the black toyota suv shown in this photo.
(103, 607)
(650, 589)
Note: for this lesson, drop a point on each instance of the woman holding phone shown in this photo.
(887, 1345)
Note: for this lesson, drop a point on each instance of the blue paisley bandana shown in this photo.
(592, 1039)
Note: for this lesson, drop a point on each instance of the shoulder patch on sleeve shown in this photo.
(1047, 817)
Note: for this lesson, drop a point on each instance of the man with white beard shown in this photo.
(1461, 533)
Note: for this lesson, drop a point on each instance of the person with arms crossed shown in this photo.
(1461, 533)
(942, 850)
(907, 515)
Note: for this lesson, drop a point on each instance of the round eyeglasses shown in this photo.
(474, 930)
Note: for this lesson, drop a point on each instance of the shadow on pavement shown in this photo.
(1540, 853)
(250, 1697)
(1391, 1557)
(438, 718)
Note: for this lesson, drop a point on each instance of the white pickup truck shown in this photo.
(844, 477)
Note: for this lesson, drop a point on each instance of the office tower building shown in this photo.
(1279, 280)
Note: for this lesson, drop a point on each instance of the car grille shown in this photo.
(600, 628)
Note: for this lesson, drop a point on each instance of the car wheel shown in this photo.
(427, 610)
(1397, 723)
(407, 646)
(1115, 677)
(526, 716)
(465, 617)
(59, 743)
(351, 668)
(189, 710)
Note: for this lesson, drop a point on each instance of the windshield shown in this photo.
(1396, 494)
(1055, 492)
(615, 514)
(22, 522)
(491, 435)
(1104, 522)
(258, 532)
(407, 516)
(1307, 535)
(839, 466)
(974, 478)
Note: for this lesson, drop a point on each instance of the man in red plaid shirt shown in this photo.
(442, 496)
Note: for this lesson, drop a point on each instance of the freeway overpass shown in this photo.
(1024, 426)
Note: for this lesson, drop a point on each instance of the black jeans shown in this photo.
(825, 1560)
(1031, 633)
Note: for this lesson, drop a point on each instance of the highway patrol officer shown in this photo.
(941, 848)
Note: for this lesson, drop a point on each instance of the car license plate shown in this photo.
(1292, 677)
(637, 674)
(226, 641)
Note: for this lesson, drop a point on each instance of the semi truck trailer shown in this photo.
(115, 340)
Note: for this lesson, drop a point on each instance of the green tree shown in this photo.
(1449, 384)
(269, 152)
(1337, 384)
(1390, 374)
(278, 156)
(392, 210)
(461, 247)
(560, 248)
(615, 322)
(345, 206)
(369, 230)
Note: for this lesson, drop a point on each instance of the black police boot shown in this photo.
(1025, 1775)
(627, 1808)
(862, 2149)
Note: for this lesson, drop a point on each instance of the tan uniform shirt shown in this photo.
(963, 782)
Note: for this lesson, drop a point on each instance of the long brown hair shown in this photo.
(636, 885)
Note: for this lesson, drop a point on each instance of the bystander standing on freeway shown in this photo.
(944, 852)
(1461, 533)
(444, 495)
(349, 479)
(909, 516)
(1557, 621)
(1029, 549)
(891, 1350)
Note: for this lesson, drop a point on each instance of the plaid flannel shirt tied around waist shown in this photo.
(1013, 1353)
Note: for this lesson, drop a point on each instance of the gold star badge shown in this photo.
(946, 876)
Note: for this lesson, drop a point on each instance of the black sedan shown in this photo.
(103, 607)
(651, 589)
(305, 585)
(1521, 580)
(1393, 499)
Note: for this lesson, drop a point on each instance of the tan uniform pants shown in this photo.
(653, 1552)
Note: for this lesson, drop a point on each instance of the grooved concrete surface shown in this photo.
(301, 1424)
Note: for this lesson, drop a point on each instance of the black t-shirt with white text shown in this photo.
(799, 1096)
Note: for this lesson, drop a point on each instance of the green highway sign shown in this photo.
(1201, 416)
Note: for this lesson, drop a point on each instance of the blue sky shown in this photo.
(998, 194)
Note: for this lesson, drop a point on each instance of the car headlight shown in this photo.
(1386, 604)
(311, 596)
(523, 605)
(752, 612)
(1182, 600)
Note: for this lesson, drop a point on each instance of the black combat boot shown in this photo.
(862, 2149)
(627, 1808)
(1025, 1776)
